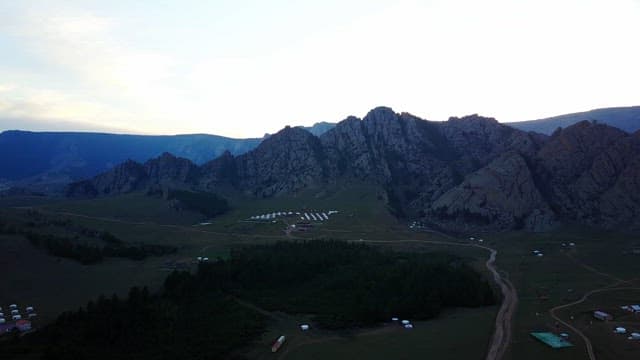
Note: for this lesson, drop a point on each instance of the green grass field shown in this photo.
(447, 337)
(563, 275)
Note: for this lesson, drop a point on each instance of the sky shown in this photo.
(243, 68)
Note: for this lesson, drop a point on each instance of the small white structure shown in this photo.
(13, 306)
(205, 259)
(32, 315)
(16, 317)
(199, 258)
(304, 327)
(620, 330)
(406, 322)
(535, 251)
(564, 335)
(634, 336)
(307, 216)
(472, 238)
(326, 217)
(635, 308)
(276, 345)
(394, 319)
(408, 326)
(480, 240)
(572, 244)
(539, 254)
(29, 308)
(601, 315)
(15, 312)
(2, 321)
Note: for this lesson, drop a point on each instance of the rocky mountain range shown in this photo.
(464, 173)
(57, 158)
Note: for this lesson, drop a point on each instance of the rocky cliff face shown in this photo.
(461, 174)
(286, 162)
(166, 170)
(500, 195)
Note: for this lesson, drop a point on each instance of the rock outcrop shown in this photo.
(501, 195)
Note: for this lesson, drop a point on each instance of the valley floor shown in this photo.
(564, 275)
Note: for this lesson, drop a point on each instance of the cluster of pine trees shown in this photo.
(87, 254)
(204, 325)
(208, 204)
(197, 316)
(346, 284)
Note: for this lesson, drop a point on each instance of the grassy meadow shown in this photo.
(562, 275)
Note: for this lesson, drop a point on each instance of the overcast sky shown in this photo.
(242, 68)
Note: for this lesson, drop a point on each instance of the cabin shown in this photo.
(601, 315)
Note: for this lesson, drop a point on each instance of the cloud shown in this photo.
(33, 124)
(93, 77)
(245, 70)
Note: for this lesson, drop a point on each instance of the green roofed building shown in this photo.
(551, 339)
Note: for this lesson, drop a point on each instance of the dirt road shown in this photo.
(586, 340)
(502, 332)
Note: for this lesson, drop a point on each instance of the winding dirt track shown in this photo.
(502, 333)
(612, 287)
(587, 342)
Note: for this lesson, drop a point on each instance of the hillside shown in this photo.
(463, 174)
(60, 157)
(624, 118)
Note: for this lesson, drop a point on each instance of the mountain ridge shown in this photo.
(624, 118)
(465, 173)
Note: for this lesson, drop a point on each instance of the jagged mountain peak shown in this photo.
(473, 121)
(381, 113)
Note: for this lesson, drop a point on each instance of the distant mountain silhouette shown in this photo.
(319, 128)
(60, 157)
(624, 118)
